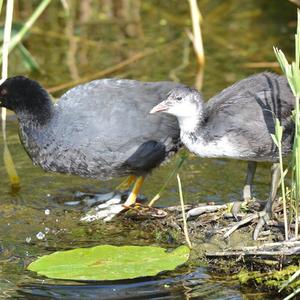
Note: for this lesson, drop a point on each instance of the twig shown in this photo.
(287, 244)
(102, 73)
(292, 295)
(204, 209)
(185, 230)
(269, 249)
(178, 208)
(291, 279)
(241, 223)
(287, 252)
(297, 2)
(262, 64)
(112, 69)
(75, 38)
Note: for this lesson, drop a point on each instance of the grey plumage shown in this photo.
(241, 118)
(237, 123)
(245, 112)
(101, 129)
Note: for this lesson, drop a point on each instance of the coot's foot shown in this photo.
(238, 205)
(108, 210)
(90, 199)
(105, 211)
(236, 209)
(264, 217)
(247, 190)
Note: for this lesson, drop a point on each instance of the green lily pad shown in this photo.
(108, 262)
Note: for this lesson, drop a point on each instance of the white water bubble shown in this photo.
(40, 235)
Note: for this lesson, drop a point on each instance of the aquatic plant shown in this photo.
(108, 262)
(8, 161)
(8, 45)
(292, 72)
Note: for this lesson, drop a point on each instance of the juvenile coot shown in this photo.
(101, 129)
(237, 123)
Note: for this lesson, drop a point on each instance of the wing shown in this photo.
(246, 111)
(109, 121)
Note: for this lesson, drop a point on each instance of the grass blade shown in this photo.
(18, 37)
(185, 229)
(8, 161)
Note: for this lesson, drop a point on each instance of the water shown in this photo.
(97, 35)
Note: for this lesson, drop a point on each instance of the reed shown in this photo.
(185, 227)
(277, 138)
(197, 35)
(8, 160)
(8, 45)
(292, 73)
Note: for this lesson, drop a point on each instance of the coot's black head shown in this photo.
(181, 102)
(25, 96)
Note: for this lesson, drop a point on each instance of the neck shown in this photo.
(38, 115)
(189, 124)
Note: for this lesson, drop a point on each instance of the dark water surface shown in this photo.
(98, 35)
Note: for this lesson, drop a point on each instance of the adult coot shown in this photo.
(101, 129)
(237, 123)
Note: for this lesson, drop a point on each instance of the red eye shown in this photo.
(3, 92)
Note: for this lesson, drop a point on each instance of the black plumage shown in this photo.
(101, 129)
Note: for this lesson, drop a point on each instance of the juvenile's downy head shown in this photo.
(26, 97)
(181, 102)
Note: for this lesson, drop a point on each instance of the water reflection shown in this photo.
(195, 285)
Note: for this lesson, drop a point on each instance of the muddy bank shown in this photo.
(222, 243)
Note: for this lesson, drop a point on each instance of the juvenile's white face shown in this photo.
(182, 109)
(182, 103)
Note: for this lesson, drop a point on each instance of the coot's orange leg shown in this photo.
(124, 185)
(135, 191)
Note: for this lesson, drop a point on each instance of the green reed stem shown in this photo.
(185, 228)
(1, 4)
(292, 73)
(175, 170)
(8, 45)
(296, 154)
(282, 176)
(8, 161)
(19, 36)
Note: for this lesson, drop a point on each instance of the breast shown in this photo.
(221, 148)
